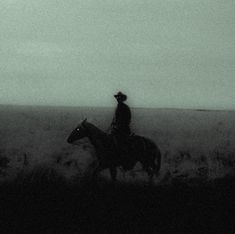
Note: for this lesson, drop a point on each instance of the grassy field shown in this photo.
(43, 202)
(194, 144)
(45, 185)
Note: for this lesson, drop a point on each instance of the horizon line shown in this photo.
(135, 107)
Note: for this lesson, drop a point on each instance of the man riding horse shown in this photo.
(120, 148)
(121, 127)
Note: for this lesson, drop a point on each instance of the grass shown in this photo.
(196, 147)
(41, 201)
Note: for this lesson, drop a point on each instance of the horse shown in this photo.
(140, 149)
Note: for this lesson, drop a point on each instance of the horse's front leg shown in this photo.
(113, 173)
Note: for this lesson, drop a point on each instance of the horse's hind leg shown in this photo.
(155, 163)
(150, 172)
(154, 168)
(113, 173)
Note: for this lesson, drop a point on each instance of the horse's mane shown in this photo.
(92, 128)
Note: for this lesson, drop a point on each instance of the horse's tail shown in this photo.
(154, 155)
(159, 159)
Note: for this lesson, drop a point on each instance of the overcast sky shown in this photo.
(161, 53)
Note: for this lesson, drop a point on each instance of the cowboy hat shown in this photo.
(121, 95)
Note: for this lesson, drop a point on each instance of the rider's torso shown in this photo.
(122, 114)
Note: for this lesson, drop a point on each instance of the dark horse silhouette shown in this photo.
(140, 149)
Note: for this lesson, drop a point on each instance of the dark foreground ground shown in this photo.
(54, 206)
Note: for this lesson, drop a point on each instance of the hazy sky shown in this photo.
(162, 53)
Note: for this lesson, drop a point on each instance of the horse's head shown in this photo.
(78, 133)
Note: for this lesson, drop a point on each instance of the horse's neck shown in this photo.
(95, 135)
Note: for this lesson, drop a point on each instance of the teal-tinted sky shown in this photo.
(162, 53)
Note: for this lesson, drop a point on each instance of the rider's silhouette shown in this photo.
(121, 127)
(122, 119)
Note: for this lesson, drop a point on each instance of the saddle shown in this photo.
(121, 139)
